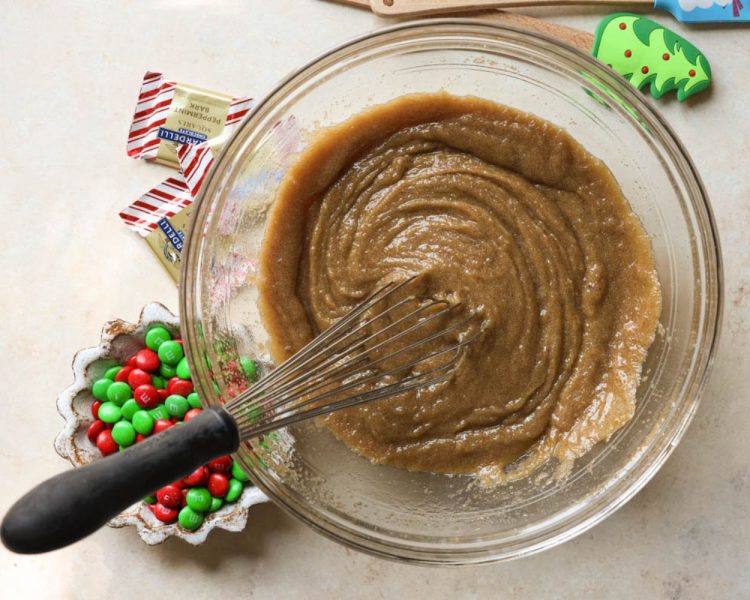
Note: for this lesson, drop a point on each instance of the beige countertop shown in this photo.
(69, 75)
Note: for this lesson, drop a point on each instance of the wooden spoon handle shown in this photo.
(414, 8)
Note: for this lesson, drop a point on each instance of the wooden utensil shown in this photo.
(689, 11)
(417, 8)
(582, 40)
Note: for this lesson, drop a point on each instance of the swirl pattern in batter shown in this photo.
(501, 211)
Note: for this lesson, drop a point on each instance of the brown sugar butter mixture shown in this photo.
(498, 210)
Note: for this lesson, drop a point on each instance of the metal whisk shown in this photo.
(335, 370)
(384, 347)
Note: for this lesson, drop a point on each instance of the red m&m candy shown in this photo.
(95, 408)
(218, 485)
(181, 387)
(164, 513)
(123, 374)
(170, 383)
(161, 424)
(170, 496)
(138, 377)
(197, 477)
(105, 443)
(193, 412)
(147, 360)
(94, 430)
(147, 396)
(223, 464)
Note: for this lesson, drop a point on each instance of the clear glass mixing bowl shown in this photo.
(427, 517)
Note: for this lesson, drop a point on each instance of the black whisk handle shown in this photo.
(74, 504)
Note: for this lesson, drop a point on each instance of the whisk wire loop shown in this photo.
(334, 368)
(352, 362)
(321, 340)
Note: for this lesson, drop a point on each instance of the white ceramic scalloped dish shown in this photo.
(119, 339)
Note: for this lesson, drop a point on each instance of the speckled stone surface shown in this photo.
(69, 75)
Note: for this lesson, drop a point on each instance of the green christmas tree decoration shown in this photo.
(645, 52)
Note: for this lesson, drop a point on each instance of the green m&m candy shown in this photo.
(194, 400)
(109, 412)
(159, 412)
(176, 405)
(189, 518)
(249, 367)
(170, 353)
(100, 387)
(255, 414)
(123, 433)
(150, 499)
(167, 371)
(156, 336)
(235, 489)
(183, 370)
(199, 499)
(238, 473)
(111, 372)
(158, 382)
(118, 392)
(216, 504)
(143, 422)
(129, 409)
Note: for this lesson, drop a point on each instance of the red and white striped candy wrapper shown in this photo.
(161, 215)
(173, 194)
(149, 131)
(195, 161)
(165, 200)
(179, 190)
